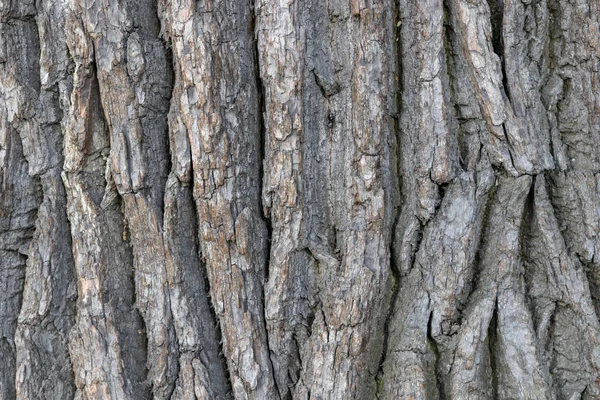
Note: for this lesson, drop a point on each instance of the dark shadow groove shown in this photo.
(395, 164)
(214, 320)
(170, 67)
(130, 324)
(433, 347)
(496, 20)
(492, 343)
(161, 192)
(477, 262)
(261, 110)
(526, 235)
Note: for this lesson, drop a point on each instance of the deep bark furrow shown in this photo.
(397, 194)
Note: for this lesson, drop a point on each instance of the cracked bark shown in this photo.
(299, 200)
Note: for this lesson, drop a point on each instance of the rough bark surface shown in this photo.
(265, 199)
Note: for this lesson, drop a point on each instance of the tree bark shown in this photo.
(311, 199)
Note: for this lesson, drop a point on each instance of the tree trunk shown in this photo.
(299, 200)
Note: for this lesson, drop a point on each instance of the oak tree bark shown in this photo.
(260, 199)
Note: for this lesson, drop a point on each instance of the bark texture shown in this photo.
(340, 199)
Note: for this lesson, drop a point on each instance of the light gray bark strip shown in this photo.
(134, 81)
(201, 363)
(525, 40)
(422, 333)
(443, 232)
(353, 275)
(217, 108)
(571, 97)
(427, 144)
(106, 346)
(518, 144)
(499, 288)
(281, 50)
(566, 321)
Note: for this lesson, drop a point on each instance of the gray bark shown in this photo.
(299, 200)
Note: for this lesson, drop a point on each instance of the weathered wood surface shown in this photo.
(300, 199)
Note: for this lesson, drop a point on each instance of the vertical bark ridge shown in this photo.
(445, 277)
(202, 373)
(202, 369)
(516, 140)
(428, 219)
(281, 51)
(525, 40)
(135, 84)
(217, 97)
(561, 297)
(498, 289)
(20, 189)
(313, 134)
(108, 343)
(48, 310)
(571, 97)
